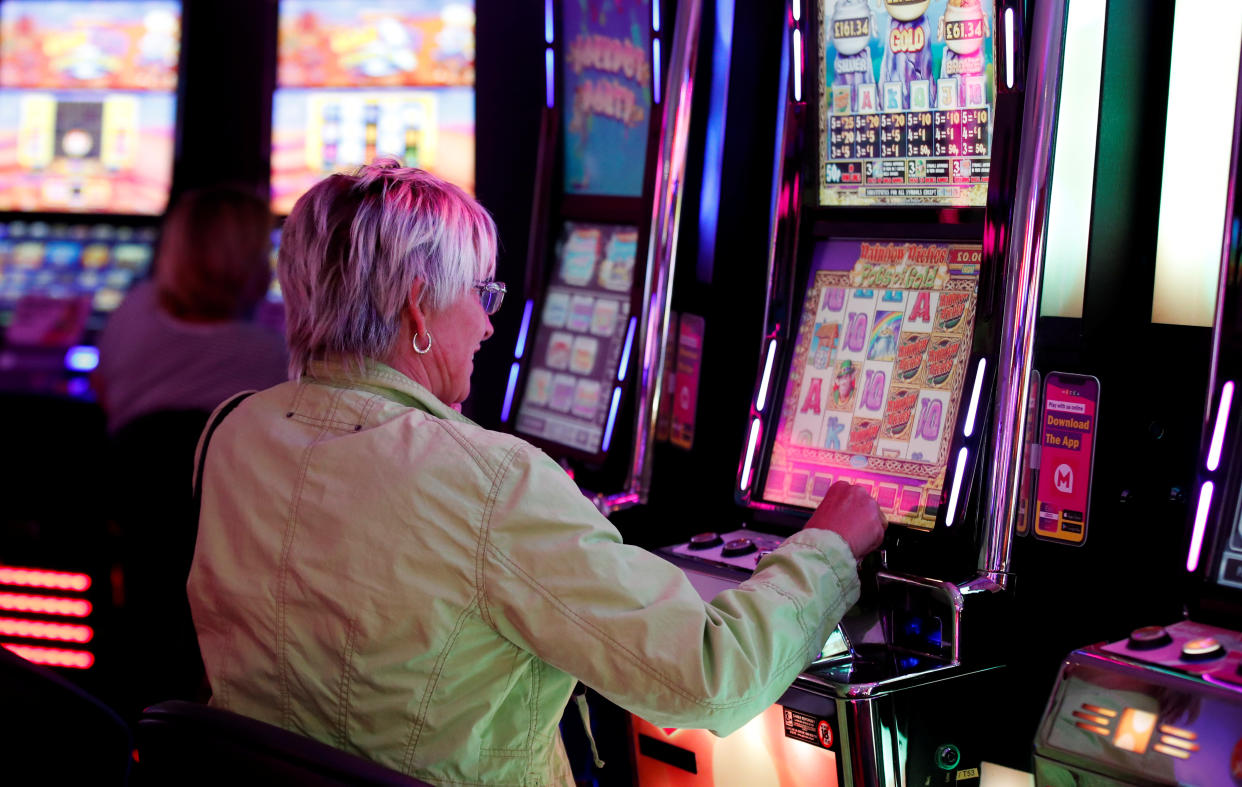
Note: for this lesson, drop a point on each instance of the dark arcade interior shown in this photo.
(768, 207)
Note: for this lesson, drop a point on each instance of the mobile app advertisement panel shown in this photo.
(88, 106)
(877, 375)
(607, 96)
(906, 95)
(580, 337)
(378, 78)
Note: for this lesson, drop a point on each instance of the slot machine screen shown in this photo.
(581, 338)
(876, 378)
(905, 102)
(87, 105)
(357, 80)
(1229, 573)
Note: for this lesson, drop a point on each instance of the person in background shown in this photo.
(186, 340)
(376, 571)
(176, 347)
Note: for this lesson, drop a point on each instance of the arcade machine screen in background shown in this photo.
(577, 354)
(87, 112)
(357, 80)
(906, 102)
(876, 379)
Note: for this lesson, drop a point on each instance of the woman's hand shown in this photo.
(851, 513)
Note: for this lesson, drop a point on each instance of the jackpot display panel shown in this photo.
(358, 80)
(906, 102)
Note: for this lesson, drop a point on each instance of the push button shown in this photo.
(1149, 638)
(705, 541)
(1202, 649)
(738, 547)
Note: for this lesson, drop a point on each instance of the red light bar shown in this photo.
(53, 657)
(43, 578)
(37, 629)
(45, 605)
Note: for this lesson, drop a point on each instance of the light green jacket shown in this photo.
(376, 571)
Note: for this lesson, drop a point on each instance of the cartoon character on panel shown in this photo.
(850, 34)
(963, 28)
(907, 51)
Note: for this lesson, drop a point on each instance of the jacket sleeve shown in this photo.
(556, 579)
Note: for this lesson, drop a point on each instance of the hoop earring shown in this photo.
(421, 350)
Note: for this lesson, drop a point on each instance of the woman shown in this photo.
(378, 572)
(186, 340)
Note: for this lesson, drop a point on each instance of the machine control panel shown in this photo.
(739, 549)
(1163, 706)
(1194, 648)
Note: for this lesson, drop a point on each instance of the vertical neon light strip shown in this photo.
(1198, 139)
(748, 465)
(1196, 536)
(520, 349)
(548, 75)
(797, 64)
(625, 353)
(1218, 431)
(1073, 176)
(612, 417)
(973, 410)
(655, 72)
(655, 16)
(762, 400)
(513, 376)
(1009, 48)
(958, 472)
(547, 22)
(796, 6)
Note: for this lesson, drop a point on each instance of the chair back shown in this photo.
(55, 733)
(186, 743)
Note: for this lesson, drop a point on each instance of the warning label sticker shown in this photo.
(808, 728)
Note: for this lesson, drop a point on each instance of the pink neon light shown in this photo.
(37, 629)
(1196, 536)
(1218, 432)
(45, 605)
(53, 657)
(42, 578)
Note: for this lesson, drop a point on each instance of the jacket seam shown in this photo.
(282, 584)
(485, 529)
(416, 729)
(637, 658)
(343, 690)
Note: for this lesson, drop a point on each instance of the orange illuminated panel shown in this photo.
(53, 657)
(1092, 728)
(36, 629)
(1169, 729)
(1102, 711)
(1178, 753)
(1135, 730)
(45, 605)
(42, 578)
(1092, 718)
(759, 753)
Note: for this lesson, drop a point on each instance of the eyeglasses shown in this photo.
(491, 295)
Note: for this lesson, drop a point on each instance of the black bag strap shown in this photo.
(200, 461)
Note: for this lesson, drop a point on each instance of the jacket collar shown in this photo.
(383, 380)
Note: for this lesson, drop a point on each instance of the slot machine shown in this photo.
(88, 119)
(1163, 705)
(583, 375)
(88, 100)
(355, 81)
(913, 149)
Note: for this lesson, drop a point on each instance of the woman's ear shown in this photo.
(414, 309)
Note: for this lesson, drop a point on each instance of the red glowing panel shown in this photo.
(42, 578)
(53, 657)
(1135, 730)
(37, 629)
(45, 605)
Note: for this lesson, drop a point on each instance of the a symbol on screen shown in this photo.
(1063, 479)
